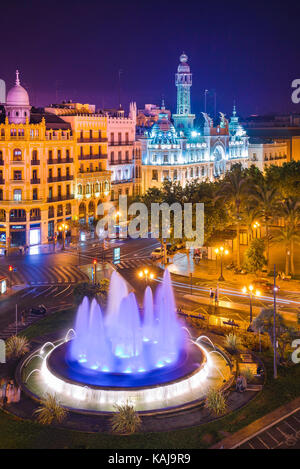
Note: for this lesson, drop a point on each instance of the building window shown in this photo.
(68, 155)
(112, 138)
(68, 209)
(50, 155)
(17, 155)
(51, 212)
(60, 211)
(17, 175)
(166, 158)
(35, 194)
(154, 175)
(17, 195)
(34, 155)
(79, 189)
(59, 154)
(1, 194)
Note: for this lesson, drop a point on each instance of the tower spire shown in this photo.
(183, 80)
(17, 78)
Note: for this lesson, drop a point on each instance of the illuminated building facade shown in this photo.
(181, 151)
(124, 154)
(53, 168)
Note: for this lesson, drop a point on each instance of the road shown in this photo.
(49, 279)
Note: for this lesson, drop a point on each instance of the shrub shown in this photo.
(216, 402)
(125, 420)
(50, 411)
(16, 347)
(247, 373)
(232, 342)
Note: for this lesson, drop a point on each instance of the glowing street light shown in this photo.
(63, 228)
(221, 251)
(146, 274)
(250, 291)
(256, 226)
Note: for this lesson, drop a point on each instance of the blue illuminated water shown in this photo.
(126, 341)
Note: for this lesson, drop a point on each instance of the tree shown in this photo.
(125, 420)
(91, 290)
(50, 411)
(16, 347)
(234, 190)
(289, 234)
(267, 200)
(285, 335)
(286, 178)
(254, 256)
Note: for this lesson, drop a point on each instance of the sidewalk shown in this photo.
(184, 264)
(257, 428)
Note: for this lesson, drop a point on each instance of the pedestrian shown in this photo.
(23, 317)
(216, 296)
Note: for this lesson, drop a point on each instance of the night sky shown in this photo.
(247, 51)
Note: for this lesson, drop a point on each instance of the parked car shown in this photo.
(39, 310)
(157, 253)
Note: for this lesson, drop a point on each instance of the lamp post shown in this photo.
(275, 289)
(146, 274)
(250, 291)
(63, 227)
(95, 270)
(255, 227)
(221, 251)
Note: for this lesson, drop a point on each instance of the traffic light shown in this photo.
(95, 261)
(10, 268)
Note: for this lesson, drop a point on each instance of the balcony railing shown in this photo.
(120, 144)
(92, 140)
(2, 181)
(118, 162)
(35, 218)
(60, 198)
(1, 162)
(35, 181)
(59, 160)
(35, 162)
(60, 178)
(92, 157)
(17, 219)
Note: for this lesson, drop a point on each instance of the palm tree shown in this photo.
(289, 234)
(250, 215)
(267, 200)
(234, 190)
(50, 411)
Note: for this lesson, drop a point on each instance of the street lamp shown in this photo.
(250, 291)
(146, 274)
(63, 227)
(221, 251)
(256, 226)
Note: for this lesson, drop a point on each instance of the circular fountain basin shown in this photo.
(58, 365)
(175, 387)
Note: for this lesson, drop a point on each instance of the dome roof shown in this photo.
(163, 131)
(17, 96)
(183, 67)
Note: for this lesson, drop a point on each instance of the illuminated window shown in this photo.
(17, 155)
(17, 195)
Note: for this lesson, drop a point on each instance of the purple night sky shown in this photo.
(247, 51)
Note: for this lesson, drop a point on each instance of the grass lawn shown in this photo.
(18, 434)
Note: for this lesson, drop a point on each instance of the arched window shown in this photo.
(2, 215)
(17, 155)
(68, 209)
(79, 189)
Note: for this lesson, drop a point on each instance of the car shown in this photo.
(264, 286)
(38, 310)
(158, 253)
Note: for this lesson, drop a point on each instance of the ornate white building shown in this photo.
(181, 151)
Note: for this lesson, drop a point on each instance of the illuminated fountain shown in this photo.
(127, 354)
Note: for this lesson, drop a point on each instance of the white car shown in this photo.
(157, 253)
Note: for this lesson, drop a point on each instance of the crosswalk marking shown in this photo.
(45, 275)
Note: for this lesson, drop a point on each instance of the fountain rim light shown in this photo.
(100, 398)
